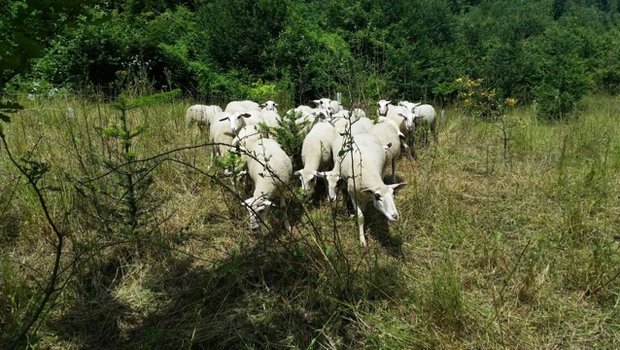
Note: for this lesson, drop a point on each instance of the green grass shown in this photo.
(485, 255)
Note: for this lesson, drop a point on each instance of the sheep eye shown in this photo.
(377, 197)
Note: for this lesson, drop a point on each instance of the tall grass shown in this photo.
(484, 255)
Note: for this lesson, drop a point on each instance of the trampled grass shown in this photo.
(490, 251)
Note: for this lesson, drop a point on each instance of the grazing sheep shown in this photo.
(361, 166)
(424, 115)
(316, 155)
(221, 135)
(270, 169)
(202, 115)
(241, 107)
(403, 118)
(388, 134)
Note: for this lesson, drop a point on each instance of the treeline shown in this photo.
(552, 51)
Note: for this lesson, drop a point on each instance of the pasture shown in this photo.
(515, 247)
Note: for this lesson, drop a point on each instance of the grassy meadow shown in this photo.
(515, 247)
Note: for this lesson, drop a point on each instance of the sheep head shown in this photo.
(383, 199)
(333, 178)
(383, 107)
(257, 207)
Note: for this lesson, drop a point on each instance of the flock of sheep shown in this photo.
(339, 146)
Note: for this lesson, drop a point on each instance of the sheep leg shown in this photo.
(360, 221)
(287, 224)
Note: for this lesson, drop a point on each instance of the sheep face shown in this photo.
(332, 183)
(257, 207)
(383, 107)
(383, 200)
(308, 180)
(236, 120)
(270, 106)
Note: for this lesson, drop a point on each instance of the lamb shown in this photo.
(424, 114)
(202, 115)
(241, 106)
(270, 169)
(316, 155)
(362, 166)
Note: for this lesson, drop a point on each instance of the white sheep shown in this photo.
(241, 106)
(388, 134)
(271, 118)
(270, 169)
(424, 115)
(316, 155)
(202, 115)
(361, 166)
(220, 134)
(402, 117)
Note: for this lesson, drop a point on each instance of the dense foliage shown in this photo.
(551, 51)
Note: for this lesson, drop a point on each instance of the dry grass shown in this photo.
(484, 255)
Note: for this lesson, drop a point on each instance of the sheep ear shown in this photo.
(367, 190)
(387, 146)
(401, 135)
(402, 115)
(396, 186)
(388, 102)
(269, 203)
(275, 104)
(245, 115)
(297, 173)
(222, 119)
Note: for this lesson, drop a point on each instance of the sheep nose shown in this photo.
(395, 216)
